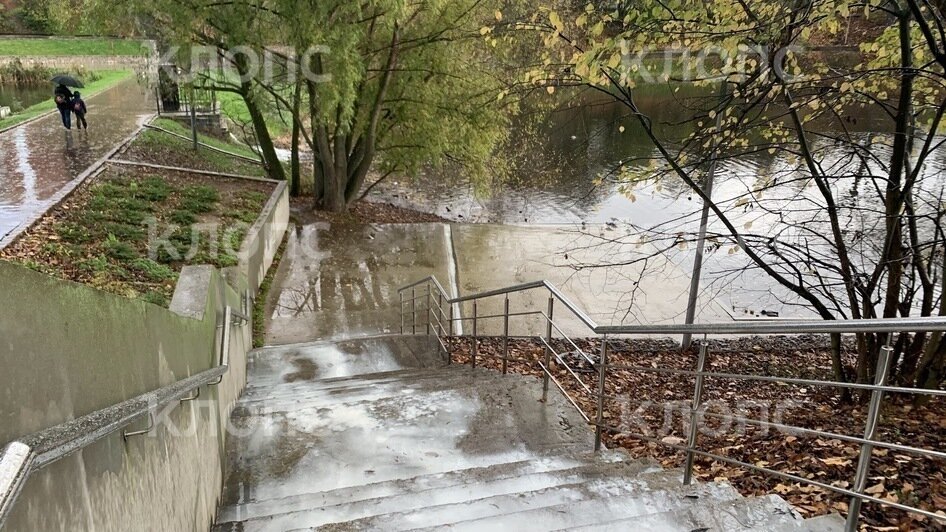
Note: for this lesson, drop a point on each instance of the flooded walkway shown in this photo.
(341, 281)
(40, 159)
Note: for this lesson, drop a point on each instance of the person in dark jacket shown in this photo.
(63, 98)
(79, 108)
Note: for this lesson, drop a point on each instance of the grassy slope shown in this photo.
(63, 46)
(109, 79)
(231, 147)
(160, 148)
(235, 109)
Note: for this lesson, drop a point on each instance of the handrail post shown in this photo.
(400, 310)
(870, 429)
(451, 319)
(476, 345)
(506, 335)
(429, 298)
(602, 375)
(695, 413)
(440, 314)
(413, 310)
(548, 350)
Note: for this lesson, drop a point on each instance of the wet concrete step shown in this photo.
(767, 513)
(668, 499)
(256, 389)
(327, 438)
(423, 492)
(390, 384)
(408, 391)
(452, 419)
(432, 406)
(823, 523)
(642, 495)
(499, 471)
(272, 365)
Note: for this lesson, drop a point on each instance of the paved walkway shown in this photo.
(39, 159)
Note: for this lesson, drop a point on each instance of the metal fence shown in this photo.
(426, 308)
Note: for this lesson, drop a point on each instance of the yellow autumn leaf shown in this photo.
(556, 21)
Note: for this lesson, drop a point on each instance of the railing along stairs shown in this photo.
(426, 308)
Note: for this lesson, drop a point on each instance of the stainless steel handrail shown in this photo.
(31, 453)
(884, 325)
(601, 368)
(15, 464)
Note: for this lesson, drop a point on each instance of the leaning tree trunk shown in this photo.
(295, 185)
(266, 146)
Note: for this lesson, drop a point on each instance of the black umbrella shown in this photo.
(68, 81)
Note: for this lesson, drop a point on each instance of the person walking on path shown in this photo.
(79, 108)
(63, 98)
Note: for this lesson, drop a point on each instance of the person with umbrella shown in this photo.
(64, 96)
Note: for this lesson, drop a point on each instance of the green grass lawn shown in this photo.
(157, 147)
(108, 79)
(234, 108)
(232, 147)
(64, 46)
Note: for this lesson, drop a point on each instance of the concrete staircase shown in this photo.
(378, 434)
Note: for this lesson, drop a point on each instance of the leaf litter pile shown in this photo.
(657, 406)
(102, 234)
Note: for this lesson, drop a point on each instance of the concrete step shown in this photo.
(822, 523)
(648, 493)
(368, 389)
(256, 389)
(422, 492)
(768, 513)
(348, 441)
(377, 433)
(308, 362)
(499, 471)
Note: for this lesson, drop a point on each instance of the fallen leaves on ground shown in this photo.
(367, 212)
(658, 405)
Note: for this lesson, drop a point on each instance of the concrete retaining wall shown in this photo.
(263, 239)
(88, 62)
(67, 350)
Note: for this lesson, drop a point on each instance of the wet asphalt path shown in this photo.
(39, 159)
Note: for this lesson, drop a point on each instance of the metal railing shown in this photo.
(22, 457)
(437, 313)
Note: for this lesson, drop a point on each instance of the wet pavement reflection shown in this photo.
(38, 159)
(341, 281)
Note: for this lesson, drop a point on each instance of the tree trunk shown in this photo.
(273, 165)
(318, 180)
(295, 185)
(892, 255)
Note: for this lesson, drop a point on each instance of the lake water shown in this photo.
(562, 159)
(20, 97)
